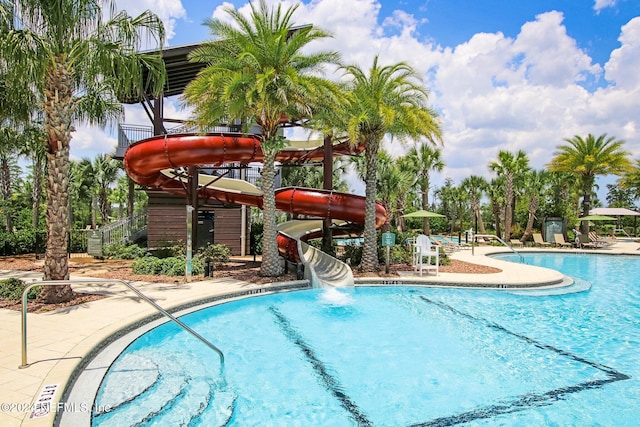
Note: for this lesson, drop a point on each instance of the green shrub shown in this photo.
(172, 266)
(18, 242)
(352, 254)
(122, 251)
(171, 249)
(255, 238)
(12, 289)
(217, 252)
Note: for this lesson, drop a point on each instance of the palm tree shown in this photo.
(564, 200)
(423, 159)
(535, 183)
(82, 56)
(8, 163)
(511, 167)
(474, 186)
(258, 71)
(495, 192)
(447, 194)
(393, 184)
(385, 100)
(587, 158)
(104, 171)
(33, 147)
(631, 179)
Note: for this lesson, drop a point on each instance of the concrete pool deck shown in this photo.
(58, 341)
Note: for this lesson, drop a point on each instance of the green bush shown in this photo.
(217, 252)
(352, 254)
(172, 266)
(255, 238)
(18, 242)
(171, 249)
(122, 251)
(12, 289)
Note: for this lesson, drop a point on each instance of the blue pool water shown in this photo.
(396, 356)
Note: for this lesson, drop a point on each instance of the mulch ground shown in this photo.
(248, 271)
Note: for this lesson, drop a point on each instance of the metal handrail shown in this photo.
(493, 236)
(115, 281)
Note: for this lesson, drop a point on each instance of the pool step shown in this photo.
(132, 376)
(579, 285)
(159, 392)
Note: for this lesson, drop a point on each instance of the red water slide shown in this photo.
(145, 160)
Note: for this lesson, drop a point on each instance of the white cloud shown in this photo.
(494, 92)
(601, 4)
(167, 10)
(624, 63)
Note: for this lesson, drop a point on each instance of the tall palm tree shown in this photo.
(104, 172)
(258, 71)
(631, 179)
(511, 167)
(424, 158)
(587, 158)
(8, 153)
(404, 193)
(385, 100)
(535, 183)
(475, 186)
(495, 192)
(82, 56)
(33, 147)
(564, 200)
(393, 183)
(448, 194)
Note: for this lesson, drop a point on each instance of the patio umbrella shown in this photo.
(423, 214)
(596, 218)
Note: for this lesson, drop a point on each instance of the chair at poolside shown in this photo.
(539, 241)
(516, 243)
(448, 244)
(423, 252)
(599, 241)
(559, 241)
(585, 241)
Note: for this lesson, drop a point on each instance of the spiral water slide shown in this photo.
(155, 162)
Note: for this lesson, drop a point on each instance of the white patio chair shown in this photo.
(423, 251)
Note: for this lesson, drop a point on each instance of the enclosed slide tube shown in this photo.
(153, 162)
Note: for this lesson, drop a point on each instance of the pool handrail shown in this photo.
(104, 281)
(493, 236)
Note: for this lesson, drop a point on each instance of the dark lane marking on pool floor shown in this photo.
(331, 383)
(529, 400)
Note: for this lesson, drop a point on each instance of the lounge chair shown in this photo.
(593, 236)
(423, 251)
(559, 241)
(586, 242)
(539, 241)
(516, 242)
(449, 245)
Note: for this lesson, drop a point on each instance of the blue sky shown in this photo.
(503, 74)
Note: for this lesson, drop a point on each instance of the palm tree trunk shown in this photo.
(369, 261)
(6, 193)
(426, 224)
(130, 197)
(36, 193)
(56, 265)
(58, 127)
(478, 214)
(533, 207)
(508, 214)
(270, 266)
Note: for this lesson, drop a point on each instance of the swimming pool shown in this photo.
(400, 356)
